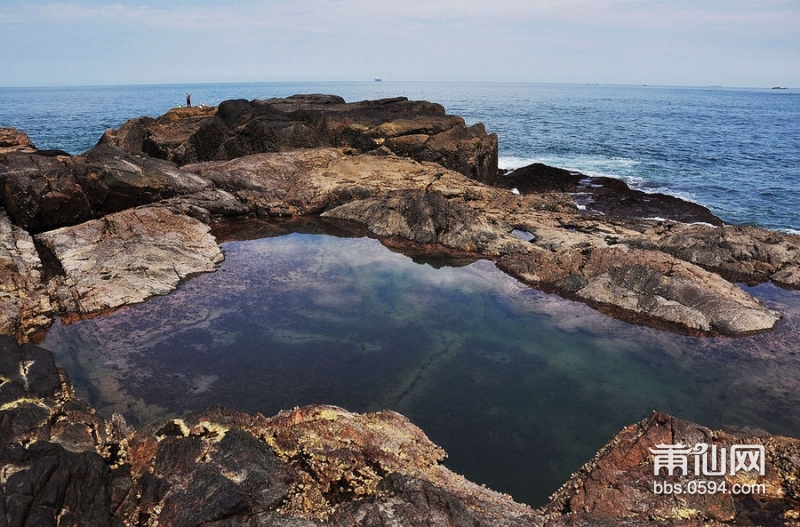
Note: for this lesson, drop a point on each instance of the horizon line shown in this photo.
(383, 81)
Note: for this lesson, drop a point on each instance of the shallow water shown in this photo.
(519, 387)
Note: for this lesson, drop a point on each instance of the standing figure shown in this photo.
(188, 100)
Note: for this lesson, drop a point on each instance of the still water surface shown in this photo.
(519, 387)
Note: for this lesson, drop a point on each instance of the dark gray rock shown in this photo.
(416, 129)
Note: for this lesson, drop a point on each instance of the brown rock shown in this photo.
(322, 465)
(12, 140)
(590, 259)
(45, 192)
(24, 304)
(416, 129)
(618, 484)
(116, 180)
(745, 254)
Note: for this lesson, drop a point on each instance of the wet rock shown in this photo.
(51, 486)
(609, 196)
(128, 257)
(417, 129)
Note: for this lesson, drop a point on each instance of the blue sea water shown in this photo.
(736, 151)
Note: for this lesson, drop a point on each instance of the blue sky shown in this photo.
(674, 42)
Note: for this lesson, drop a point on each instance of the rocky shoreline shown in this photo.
(84, 235)
(628, 254)
(63, 464)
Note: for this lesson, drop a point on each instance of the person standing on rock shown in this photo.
(188, 100)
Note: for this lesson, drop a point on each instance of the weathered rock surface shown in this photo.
(321, 465)
(45, 192)
(127, 257)
(12, 140)
(616, 266)
(744, 254)
(24, 304)
(617, 486)
(419, 130)
(635, 269)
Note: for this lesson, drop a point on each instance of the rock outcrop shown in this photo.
(45, 192)
(618, 485)
(24, 303)
(418, 130)
(609, 196)
(12, 140)
(127, 257)
(617, 266)
(651, 270)
(64, 464)
(630, 268)
(81, 235)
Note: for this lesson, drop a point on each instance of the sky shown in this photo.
(737, 43)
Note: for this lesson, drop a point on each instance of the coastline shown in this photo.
(435, 208)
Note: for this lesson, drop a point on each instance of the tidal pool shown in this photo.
(519, 387)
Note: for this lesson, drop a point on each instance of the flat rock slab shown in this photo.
(128, 257)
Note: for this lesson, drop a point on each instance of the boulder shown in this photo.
(45, 192)
(116, 180)
(417, 129)
(42, 192)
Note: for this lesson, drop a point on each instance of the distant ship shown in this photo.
(378, 79)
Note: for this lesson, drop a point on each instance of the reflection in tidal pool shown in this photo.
(519, 387)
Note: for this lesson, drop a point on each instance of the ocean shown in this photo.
(520, 387)
(736, 151)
